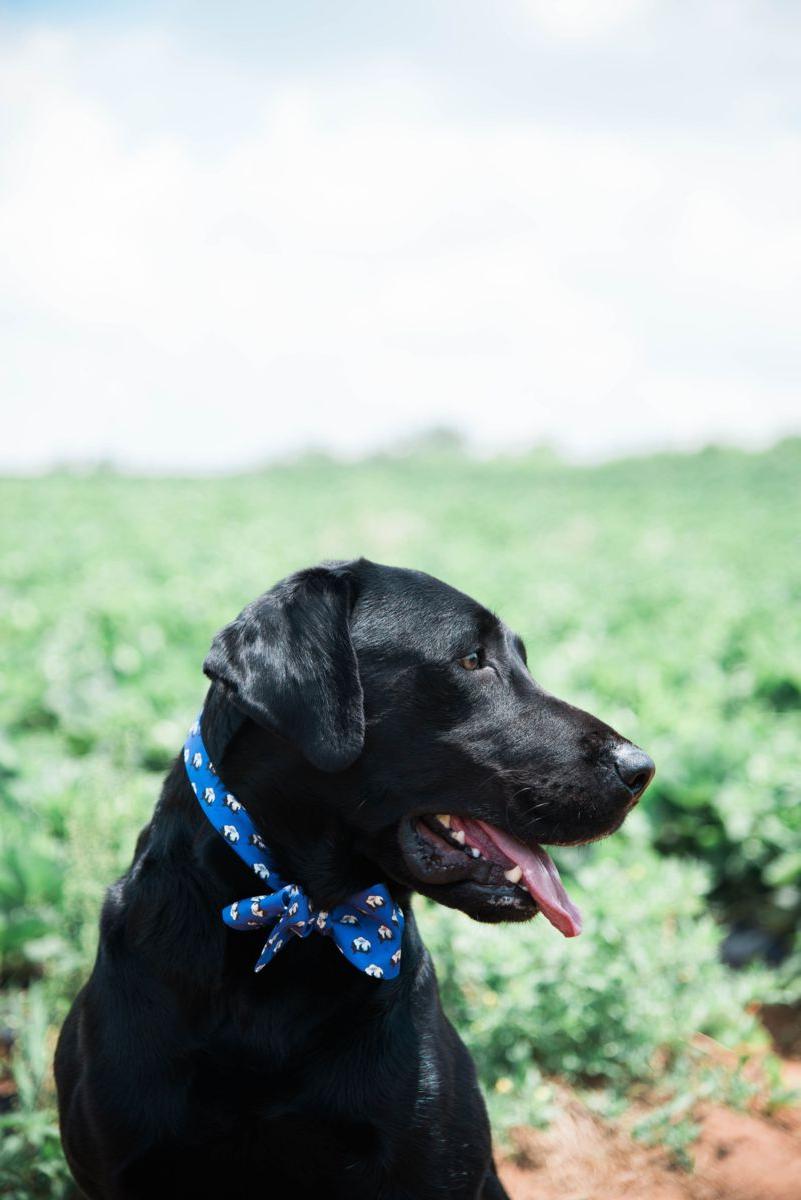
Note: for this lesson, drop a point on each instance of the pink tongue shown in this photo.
(540, 877)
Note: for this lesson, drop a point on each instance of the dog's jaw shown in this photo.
(453, 875)
(491, 868)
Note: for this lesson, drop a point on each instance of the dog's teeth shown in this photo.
(514, 875)
(459, 836)
(444, 819)
(474, 852)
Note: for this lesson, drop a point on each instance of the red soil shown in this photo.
(738, 1156)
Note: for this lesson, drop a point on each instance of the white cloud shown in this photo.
(340, 271)
(580, 19)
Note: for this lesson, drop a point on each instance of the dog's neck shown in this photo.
(182, 865)
(294, 808)
(301, 824)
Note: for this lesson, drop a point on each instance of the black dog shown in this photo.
(349, 706)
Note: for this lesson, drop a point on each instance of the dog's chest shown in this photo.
(345, 1104)
(314, 1153)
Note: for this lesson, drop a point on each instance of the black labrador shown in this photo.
(378, 726)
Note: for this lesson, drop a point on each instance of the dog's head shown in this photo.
(408, 711)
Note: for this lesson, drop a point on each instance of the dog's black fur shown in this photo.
(343, 704)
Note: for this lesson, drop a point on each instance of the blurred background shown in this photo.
(505, 292)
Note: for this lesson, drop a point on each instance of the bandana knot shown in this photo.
(367, 929)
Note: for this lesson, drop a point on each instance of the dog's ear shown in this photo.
(289, 663)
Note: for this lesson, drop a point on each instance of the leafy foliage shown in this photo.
(31, 1164)
(613, 1008)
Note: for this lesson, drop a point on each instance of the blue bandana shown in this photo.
(367, 928)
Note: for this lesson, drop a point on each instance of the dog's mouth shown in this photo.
(447, 849)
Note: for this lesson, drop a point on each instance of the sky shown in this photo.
(230, 233)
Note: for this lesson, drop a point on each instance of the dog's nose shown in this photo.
(635, 768)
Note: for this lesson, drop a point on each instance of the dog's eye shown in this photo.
(471, 662)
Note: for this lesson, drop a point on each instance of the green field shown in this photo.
(663, 594)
